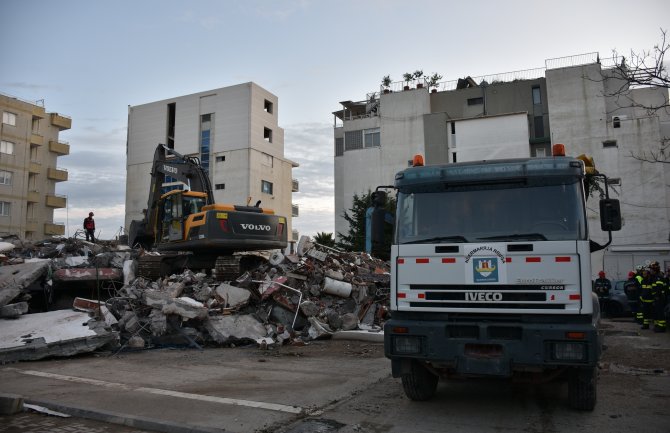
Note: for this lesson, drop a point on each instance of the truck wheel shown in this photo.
(419, 384)
(582, 388)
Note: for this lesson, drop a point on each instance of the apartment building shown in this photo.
(29, 151)
(518, 114)
(233, 130)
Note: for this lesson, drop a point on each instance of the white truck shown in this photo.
(491, 275)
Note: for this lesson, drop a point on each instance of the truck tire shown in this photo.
(419, 384)
(582, 388)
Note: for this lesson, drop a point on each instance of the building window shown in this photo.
(266, 159)
(7, 147)
(220, 186)
(476, 101)
(538, 122)
(171, 115)
(221, 158)
(616, 122)
(266, 187)
(453, 128)
(267, 106)
(205, 140)
(609, 143)
(537, 96)
(9, 118)
(353, 140)
(5, 177)
(36, 125)
(540, 152)
(339, 146)
(267, 135)
(372, 137)
(453, 157)
(5, 208)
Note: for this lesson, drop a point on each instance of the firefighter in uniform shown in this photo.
(639, 315)
(659, 290)
(646, 298)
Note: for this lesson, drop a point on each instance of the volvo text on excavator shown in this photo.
(188, 221)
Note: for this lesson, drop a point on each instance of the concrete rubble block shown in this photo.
(286, 317)
(129, 271)
(136, 342)
(309, 308)
(129, 322)
(304, 244)
(334, 274)
(75, 260)
(175, 289)
(15, 278)
(231, 296)
(276, 258)
(349, 322)
(185, 307)
(158, 323)
(203, 293)
(55, 333)
(10, 404)
(318, 330)
(12, 311)
(318, 255)
(227, 329)
(118, 259)
(334, 319)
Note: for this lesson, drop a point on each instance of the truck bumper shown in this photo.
(489, 348)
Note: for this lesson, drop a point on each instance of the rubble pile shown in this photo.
(279, 299)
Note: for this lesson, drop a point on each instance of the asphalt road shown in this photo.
(333, 386)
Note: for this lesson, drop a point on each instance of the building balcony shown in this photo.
(31, 225)
(33, 196)
(295, 186)
(59, 147)
(55, 229)
(39, 112)
(36, 140)
(295, 210)
(60, 121)
(58, 201)
(57, 174)
(34, 168)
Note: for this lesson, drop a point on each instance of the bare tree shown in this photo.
(642, 69)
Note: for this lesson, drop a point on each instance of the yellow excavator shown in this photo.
(190, 230)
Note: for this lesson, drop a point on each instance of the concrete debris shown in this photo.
(281, 298)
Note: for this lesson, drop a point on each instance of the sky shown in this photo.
(91, 59)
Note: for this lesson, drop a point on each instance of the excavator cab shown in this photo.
(177, 211)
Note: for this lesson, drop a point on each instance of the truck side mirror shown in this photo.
(610, 215)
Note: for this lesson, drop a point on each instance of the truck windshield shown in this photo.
(529, 210)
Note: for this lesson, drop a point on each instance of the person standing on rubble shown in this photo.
(89, 227)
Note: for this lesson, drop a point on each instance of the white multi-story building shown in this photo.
(29, 171)
(235, 133)
(513, 115)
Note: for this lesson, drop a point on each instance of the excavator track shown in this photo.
(227, 268)
(154, 267)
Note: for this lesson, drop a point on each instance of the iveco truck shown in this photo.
(491, 274)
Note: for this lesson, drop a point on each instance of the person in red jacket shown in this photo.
(89, 227)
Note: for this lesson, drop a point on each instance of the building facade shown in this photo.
(520, 114)
(235, 133)
(29, 170)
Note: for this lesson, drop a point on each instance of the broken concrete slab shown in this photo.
(226, 329)
(10, 404)
(12, 311)
(231, 296)
(318, 330)
(88, 274)
(16, 278)
(55, 333)
(184, 306)
(359, 335)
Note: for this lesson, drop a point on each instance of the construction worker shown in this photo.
(639, 315)
(646, 298)
(659, 291)
(632, 289)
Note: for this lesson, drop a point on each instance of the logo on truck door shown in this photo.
(485, 269)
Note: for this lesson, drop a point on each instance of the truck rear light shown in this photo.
(568, 351)
(280, 229)
(575, 297)
(421, 296)
(224, 226)
(575, 335)
(400, 261)
(400, 330)
(401, 295)
(406, 345)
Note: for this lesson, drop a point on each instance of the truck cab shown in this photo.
(491, 275)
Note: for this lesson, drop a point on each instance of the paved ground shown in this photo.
(331, 386)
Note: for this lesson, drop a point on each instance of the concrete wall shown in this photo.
(238, 123)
